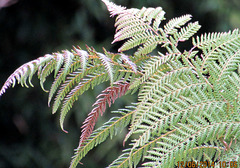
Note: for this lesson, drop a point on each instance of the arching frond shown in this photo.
(72, 96)
(75, 74)
(110, 128)
(25, 72)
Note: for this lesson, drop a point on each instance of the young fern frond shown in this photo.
(109, 95)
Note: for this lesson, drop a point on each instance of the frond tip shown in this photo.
(24, 72)
(113, 8)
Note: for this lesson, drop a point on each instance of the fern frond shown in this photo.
(74, 74)
(207, 39)
(136, 26)
(156, 63)
(92, 76)
(179, 114)
(127, 60)
(229, 57)
(57, 82)
(72, 63)
(79, 90)
(226, 42)
(25, 71)
(121, 71)
(188, 102)
(187, 32)
(108, 65)
(149, 45)
(172, 26)
(83, 57)
(141, 38)
(182, 145)
(168, 91)
(45, 71)
(110, 128)
(131, 157)
(229, 89)
(109, 95)
(71, 81)
(130, 19)
(113, 8)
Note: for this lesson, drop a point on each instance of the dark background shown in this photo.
(30, 136)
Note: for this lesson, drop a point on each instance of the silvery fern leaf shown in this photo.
(136, 26)
(26, 71)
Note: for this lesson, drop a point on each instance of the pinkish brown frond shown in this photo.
(109, 95)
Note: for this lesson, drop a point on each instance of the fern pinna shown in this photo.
(188, 101)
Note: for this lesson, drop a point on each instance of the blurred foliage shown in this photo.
(30, 29)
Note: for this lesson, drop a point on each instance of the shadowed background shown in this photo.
(30, 135)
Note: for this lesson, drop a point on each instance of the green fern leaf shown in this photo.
(79, 90)
(136, 26)
(110, 128)
(71, 81)
(187, 32)
(225, 41)
(211, 38)
(69, 64)
(173, 24)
